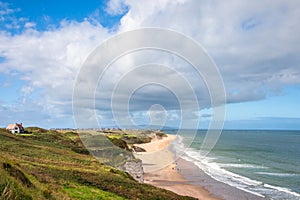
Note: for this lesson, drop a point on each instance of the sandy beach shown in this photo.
(161, 170)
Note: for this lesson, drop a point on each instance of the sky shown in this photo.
(254, 45)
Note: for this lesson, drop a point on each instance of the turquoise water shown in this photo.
(264, 163)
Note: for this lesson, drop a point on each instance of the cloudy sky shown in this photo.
(44, 46)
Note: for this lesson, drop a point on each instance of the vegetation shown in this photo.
(120, 143)
(132, 137)
(47, 164)
(161, 134)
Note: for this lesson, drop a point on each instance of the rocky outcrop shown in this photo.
(135, 168)
(138, 149)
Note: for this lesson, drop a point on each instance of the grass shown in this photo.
(76, 191)
(47, 164)
(161, 134)
(130, 137)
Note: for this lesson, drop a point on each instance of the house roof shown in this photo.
(12, 126)
(19, 125)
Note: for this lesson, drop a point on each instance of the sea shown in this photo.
(264, 163)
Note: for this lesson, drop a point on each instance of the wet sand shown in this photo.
(161, 170)
(183, 177)
(197, 177)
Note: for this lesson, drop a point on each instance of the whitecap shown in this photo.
(219, 172)
(234, 165)
(277, 174)
(282, 189)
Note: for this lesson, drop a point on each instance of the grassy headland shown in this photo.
(47, 164)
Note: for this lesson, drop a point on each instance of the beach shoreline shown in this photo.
(161, 170)
(219, 189)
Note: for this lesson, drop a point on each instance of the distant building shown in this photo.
(15, 128)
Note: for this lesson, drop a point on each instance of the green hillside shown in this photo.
(53, 165)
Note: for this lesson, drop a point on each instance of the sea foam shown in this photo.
(219, 172)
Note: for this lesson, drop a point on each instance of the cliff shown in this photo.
(55, 165)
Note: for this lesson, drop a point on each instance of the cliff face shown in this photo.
(114, 152)
(135, 168)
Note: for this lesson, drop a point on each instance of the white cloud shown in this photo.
(254, 44)
(49, 61)
(5, 10)
(7, 18)
(116, 7)
(29, 25)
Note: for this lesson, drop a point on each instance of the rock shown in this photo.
(135, 168)
(138, 149)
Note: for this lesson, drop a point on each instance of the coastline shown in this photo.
(161, 170)
(198, 177)
(183, 177)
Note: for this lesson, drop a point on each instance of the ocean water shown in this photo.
(264, 163)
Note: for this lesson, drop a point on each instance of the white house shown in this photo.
(15, 128)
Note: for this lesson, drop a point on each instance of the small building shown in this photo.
(15, 128)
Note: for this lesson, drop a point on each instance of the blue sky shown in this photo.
(48, 14)
(43, 45)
